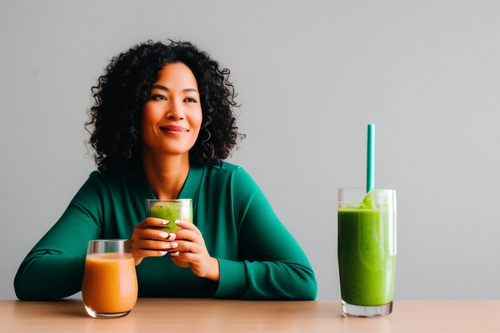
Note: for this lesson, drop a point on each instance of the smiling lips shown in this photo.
(174, 129)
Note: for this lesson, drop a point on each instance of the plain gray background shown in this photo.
(310, 76)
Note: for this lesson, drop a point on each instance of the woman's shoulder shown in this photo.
(223, 165)
(225, 169)
(106, 176)
(112, 179)
(225, 172)
(113, 185)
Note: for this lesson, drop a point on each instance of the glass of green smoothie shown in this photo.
(367, 251)
(171, 211)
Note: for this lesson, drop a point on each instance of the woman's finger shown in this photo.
(156, 245)
(155, 234)
(188, 226)
(153, 222)
(150, 241)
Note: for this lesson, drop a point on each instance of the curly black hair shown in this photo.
(121, 92)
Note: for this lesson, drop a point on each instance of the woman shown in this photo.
(161, 126)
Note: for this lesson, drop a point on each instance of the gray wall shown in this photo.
(310, 76)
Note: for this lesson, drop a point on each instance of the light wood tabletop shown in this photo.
(209, 315)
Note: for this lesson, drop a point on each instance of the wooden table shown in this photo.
(207, 315)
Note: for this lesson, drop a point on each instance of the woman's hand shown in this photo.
(149, 241)
(192, 252)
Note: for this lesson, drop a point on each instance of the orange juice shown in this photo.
(110, 282)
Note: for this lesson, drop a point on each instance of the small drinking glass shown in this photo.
(171, 211)
(109, 288)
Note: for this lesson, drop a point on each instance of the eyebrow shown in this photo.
(159, 86)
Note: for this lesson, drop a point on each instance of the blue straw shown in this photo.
(370, 165)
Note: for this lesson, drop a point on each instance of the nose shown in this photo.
(175, 111)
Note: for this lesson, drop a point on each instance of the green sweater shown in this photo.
(258, 257)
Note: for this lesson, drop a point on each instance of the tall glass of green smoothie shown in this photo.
(367, 251)
(171, 211)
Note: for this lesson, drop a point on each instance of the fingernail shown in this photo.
(177, 221)
(171, 236)
(165, 222)
(174, 254)
(164, 234)
(162, 253)
(173, 245)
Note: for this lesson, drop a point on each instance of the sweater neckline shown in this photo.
(191, 185)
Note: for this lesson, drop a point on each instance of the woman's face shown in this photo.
(172, 116)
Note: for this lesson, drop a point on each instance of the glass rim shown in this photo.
(364, 189)
(112, 245)
(170, 200)
(114, 240)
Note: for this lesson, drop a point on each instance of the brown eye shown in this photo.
(191, 100)
(158, 97)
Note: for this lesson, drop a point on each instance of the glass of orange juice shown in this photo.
(109, 288)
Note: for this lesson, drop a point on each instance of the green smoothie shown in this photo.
(367, 251)
(171, 210)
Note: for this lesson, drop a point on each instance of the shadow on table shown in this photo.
(66, 307)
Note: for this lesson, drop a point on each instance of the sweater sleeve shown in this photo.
(54, 268)
(272, 265)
